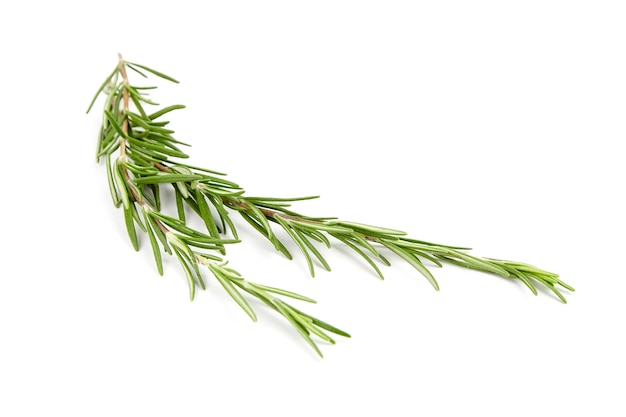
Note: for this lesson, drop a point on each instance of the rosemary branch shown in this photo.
(142, 156)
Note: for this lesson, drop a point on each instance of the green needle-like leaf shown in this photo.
(180, 208)
(188, 274)
(121, 184)
(115, 124)
(284, 293)
(155, 246)
(166, 178)
(137, 218)
(206, 215)
(298, 242)
(232, 291)
(370, 230)
(323, 325)
(130, 227)
(104, 84)
(480, 264)
(112, 187)
(139, 107)
(363, 254)
(303, 332)
(312, 249)
(413, 261)
(165, 110)
(138, 96)
(132, 67)
(157, 73)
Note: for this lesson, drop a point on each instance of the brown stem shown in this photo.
(232, 202)
(122, 69)
(269, 213)
(125, 173)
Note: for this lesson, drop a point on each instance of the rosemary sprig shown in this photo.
(142, 156)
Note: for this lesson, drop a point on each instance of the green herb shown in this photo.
(142, 157)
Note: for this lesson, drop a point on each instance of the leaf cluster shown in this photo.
(142, 158)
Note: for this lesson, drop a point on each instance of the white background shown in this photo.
(488, 124)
